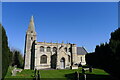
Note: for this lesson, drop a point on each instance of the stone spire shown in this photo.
(31, 25)
(29, 43)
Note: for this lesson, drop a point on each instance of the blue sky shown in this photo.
(0, 11)
(84, 23)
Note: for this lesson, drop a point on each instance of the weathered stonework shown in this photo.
(42, 55)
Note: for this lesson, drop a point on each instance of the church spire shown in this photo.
(31, 25)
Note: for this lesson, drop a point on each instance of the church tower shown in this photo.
(29, 40)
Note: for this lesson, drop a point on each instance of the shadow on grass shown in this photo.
(19, 79)
(99, 77)
(73, 76)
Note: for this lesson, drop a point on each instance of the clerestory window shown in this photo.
(41, 49)
(54, 49)
(48, 49)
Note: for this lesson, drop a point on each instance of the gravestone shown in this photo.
(85, 76)
(77, 75)
(38, 75)
(35, 72)
(90, 69)
(14, 72)
(83, 71)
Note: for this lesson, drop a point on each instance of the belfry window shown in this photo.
(31, 31)
(48, 49)
(41, 49)
(43, 59)
(31, 38)
(54, 49)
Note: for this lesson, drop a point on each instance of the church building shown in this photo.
(44, 55)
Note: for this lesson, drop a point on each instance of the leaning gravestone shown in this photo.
(14, 72)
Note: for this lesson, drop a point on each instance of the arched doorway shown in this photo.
(62, 63)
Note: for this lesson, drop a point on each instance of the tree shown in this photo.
(6, 54)
(107, 56)
(115, 47)
(17, 58)
(115, 41)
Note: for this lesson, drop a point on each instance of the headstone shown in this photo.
(38, 75)
(14, 72)
(80, 65)
(83, 71)
(85, 76)
(77, 75)
(35, 73)
(90, 69)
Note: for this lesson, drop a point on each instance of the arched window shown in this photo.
(66, 49)
(54, 49)
(43, 59)
(68, 58)
(41, 49)
(31, 31)
(48, 49)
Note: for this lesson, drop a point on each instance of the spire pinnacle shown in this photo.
(32, 18)
(31, 24)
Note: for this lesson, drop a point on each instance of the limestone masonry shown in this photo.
(43, 55)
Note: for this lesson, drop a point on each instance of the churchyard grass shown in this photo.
(56, 73)
(64, 74)
(23, 74)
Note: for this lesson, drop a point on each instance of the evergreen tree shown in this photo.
(17, 59)
(107, 56)
(6, 54)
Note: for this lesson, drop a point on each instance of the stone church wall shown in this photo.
(42, 55)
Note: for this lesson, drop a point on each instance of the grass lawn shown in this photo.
(22, 75)
(69, 74)
(55, 73)
(97, 74)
